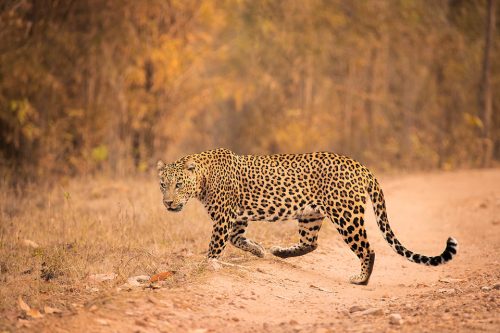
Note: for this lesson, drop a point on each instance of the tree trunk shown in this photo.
(485, 97)
(370, 142)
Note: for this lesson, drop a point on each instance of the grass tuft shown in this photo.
(53, 238)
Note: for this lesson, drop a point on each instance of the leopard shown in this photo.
(309, 188)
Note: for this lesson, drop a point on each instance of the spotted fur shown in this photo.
(307, 187)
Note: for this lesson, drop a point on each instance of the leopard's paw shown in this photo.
(279, 251)
(258, 250)
(213, 264)
(359, 279)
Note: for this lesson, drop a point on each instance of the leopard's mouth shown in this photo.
(177, 208)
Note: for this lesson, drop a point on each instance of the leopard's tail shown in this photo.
(378, 201)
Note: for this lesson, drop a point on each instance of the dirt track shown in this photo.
(312, 293)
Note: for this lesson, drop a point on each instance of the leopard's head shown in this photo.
(178, 183)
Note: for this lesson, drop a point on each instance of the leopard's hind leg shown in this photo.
(308, 231)
(350, 224)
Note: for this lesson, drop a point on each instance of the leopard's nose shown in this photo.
(167, 203)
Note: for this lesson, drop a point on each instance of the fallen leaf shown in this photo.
(25, 307)
(50, 310)
(101, 321)
(450, 280)
(371, 311)
(321, 289)
(161, 276)
(446, 290)
(33, 313)
(23, 323)
(30, 243)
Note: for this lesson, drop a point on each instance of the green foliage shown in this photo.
(473, 120)
(100, 153)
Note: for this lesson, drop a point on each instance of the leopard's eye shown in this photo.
(163, 186)
(178, 185)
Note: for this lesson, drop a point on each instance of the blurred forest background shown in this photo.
(108, 87)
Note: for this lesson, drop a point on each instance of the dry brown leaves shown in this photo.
(161, 276)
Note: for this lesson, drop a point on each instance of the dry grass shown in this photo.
(89, 226)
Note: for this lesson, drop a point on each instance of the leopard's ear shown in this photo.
(190, 165)
(160, 165)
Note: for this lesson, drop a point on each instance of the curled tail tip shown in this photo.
(450, 251)
(452, 243)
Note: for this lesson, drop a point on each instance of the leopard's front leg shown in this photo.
(223, 221)
(220, 235)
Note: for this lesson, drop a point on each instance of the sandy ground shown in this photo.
(312, 293)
